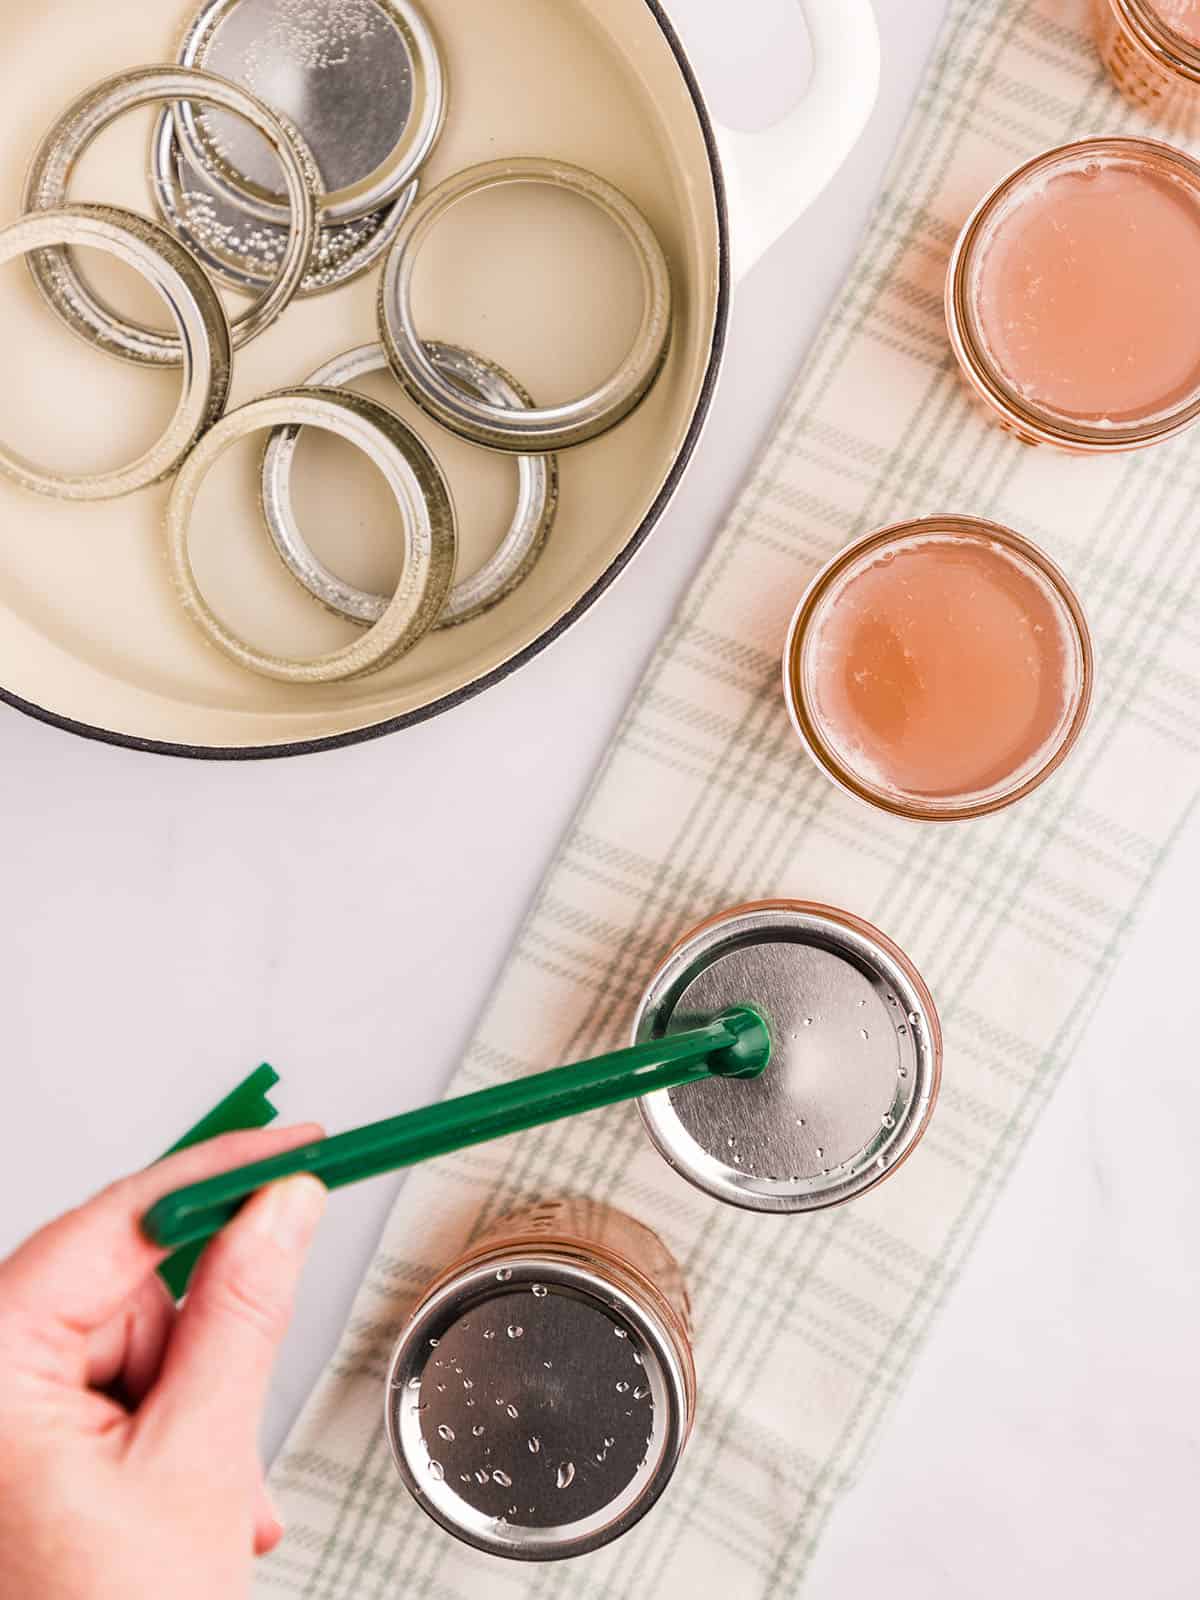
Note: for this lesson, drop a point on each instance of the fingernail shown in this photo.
(290, 1211)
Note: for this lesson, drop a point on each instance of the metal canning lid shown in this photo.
(244, 251)
(55, 271)
(855, 1066)
(426, 514)
(536, 428)
(536, 1405)
(509, 564)
(362, 80)
(203, 332)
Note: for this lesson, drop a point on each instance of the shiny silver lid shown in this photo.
(362, 80)
(855, 1065)
(536, 1408)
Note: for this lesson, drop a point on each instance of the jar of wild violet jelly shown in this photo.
(542, 1391)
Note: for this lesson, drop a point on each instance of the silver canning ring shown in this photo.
(245, 252)
(540, 428)
(426, 513)
(198, 314)
(56, 274)
(537, 496)
(375, 189)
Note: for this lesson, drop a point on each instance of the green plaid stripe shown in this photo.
(808, 1327)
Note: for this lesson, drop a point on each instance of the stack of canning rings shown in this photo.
(223, 222)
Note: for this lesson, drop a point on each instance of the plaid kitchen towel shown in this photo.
(808, 1326)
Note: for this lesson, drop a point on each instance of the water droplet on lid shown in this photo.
(512, 1510)
(730, 1141)
(464, 1477)
(565, 1475)
(808, 1022)
(535, 1444)
(901, 1028)
(622, 1387)
(503, 1274)
(539, 1289)
(881, 1162)
(470, 1402)
(620, 1333)
(512, 1411)
(820, 1152)
(637, 1358)
(468, 1383)
(481, 1476)
(477, 1430)
(546, 1364)
(641, 1391)
(417, 1409)
(608, 1443)
(489, 1333)
(892, 1001)
(861, 1003)
(864, 1033)
(436, 1471)
(441, 1388)
(515, 1331)
(915, 1018)
(502, 1478)
(799, 1122)
(445, 1431)
(600, 1454)
(414, 1383)
(433, 1344)
(888, 1120)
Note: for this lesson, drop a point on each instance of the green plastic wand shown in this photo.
(735, 1044)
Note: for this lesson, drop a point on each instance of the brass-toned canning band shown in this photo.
(540, 428)
(376, 189)
(537, 497)
(197, 312)
(426, 514)
(55, 272)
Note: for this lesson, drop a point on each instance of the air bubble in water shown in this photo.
(566, 1474)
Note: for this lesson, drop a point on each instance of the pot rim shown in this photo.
(447, 702)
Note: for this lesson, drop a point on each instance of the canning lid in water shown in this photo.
(539, 1399)
(854, 1071)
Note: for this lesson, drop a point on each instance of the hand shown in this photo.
(129, 1465)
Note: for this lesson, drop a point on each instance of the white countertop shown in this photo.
(168, 924)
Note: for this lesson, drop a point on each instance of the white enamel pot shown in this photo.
(92, 637)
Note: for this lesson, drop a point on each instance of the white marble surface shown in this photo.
(165, 925)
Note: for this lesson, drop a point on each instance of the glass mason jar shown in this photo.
(1073, 296)
(542, 1392)
(939, 669)
(1147, 49)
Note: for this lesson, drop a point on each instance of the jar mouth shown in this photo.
(1172, 50)
(876, 788)
(1032, 419)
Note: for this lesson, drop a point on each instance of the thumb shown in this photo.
(218, 1364)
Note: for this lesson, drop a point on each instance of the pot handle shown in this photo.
(775, 175)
